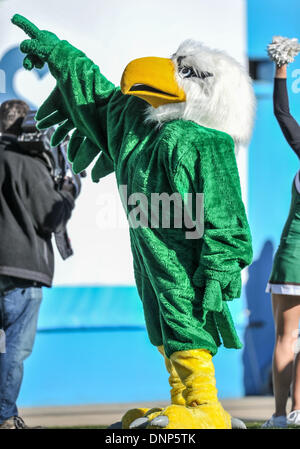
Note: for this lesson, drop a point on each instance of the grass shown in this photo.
(258, 424)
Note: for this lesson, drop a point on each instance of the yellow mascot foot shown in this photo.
(138, 416)
(201, 409)
(205, 416)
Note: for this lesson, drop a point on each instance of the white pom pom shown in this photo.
(283, 50)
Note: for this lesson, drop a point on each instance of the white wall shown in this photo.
(112, 33)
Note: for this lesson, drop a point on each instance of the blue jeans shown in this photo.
(20, 308)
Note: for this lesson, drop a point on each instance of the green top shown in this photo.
(180, 156)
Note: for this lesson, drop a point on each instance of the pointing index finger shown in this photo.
(28, 27)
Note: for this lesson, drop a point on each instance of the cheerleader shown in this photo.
(284, 282)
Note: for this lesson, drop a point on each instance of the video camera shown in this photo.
(37, 142)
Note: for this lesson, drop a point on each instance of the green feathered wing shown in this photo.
(226, 242)
(79, 102)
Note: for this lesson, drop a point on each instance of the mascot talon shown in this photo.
(161, 421)
(237, 423)
(140, 423)
(174, 127)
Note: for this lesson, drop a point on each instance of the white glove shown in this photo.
(283, 50)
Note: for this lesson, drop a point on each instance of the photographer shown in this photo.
(32, 208)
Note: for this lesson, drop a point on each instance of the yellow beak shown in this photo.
(153, 80)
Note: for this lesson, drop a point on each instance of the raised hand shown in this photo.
(283, 50)
(63, 109)
(38, 47)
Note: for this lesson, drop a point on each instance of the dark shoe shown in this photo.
(16, 422)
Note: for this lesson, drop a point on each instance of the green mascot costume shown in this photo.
(171, 128)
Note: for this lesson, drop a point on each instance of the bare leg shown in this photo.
(286, 311)
(296, 384)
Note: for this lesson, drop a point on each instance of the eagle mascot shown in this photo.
(173, 126)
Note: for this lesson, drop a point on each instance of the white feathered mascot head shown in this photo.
(198, 83)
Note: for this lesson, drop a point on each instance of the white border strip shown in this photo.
(283, 289)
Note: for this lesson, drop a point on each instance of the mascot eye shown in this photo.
(189, 72)
(186, 72)
(205, 75)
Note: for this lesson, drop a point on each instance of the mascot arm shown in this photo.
(211, 169)
(79, 101)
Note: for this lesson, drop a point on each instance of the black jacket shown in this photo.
(31, 209)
